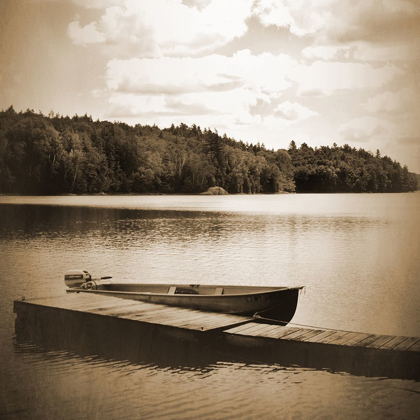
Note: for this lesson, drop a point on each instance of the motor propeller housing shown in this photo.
(75, 278)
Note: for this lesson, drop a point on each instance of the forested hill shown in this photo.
(55, 155)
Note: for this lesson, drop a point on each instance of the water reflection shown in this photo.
(190, 381)
(151, 350)
(31, 221)
(166, 348)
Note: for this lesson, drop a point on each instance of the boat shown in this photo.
(262, 302)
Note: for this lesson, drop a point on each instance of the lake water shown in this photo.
(357, 255)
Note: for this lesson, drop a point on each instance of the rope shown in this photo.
(301, 325)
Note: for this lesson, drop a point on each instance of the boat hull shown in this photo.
(271, 303)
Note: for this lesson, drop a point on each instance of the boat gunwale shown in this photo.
(105, 292)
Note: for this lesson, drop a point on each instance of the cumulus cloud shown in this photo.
(302, 17)
(215, 91)
(403, 101)
(171, 26)
(219, 90)
(390, 21)
(326, 52)
(366, 31)
(96, 4)
(262, 74)
(363, 130)
(330, 77)
(86, 35)
(359, 51)
(391, 139)
(293, 111)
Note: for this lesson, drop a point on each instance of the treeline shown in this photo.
(55, 154)
(346, 169)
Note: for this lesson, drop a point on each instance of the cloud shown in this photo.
(391, 21)
(330, 77)
(403, 101)
(301, 17)
(199, 4)
(345, 31)
(391, 139)
(359, 51)
(262, 74)
(388, 53)
(206, 108)
(213, 91)
(326, 52)
(86, 35)
(172, 27)
(363, 130)
(409, 140)
(96, 4)
(293, 111)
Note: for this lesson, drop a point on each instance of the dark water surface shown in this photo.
(357, 255)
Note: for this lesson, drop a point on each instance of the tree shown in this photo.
(58, 154)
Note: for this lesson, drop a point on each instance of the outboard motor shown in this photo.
(76, 278)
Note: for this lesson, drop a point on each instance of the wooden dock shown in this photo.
(330, 337)
(125, 329)
(128, 310)
(341, 351)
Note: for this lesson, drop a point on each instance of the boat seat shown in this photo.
(172, 290)
(219, 291)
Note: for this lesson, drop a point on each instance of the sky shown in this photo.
(268, 71)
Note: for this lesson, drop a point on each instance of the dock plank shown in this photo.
(133, 310)
(380, 341)
(108, 309)
(356, 338)
(283, 332)
(161, 317)
(296, 334)
(92, 303)
(267, 331)
(188, 318)
(81, 303)
(66, 300)
(393, 342)
(415, 347)
(255, 329)
(369, 339)
(185, 319)
(158, 311)
(231, 321)
(332, 337)
(320, 336)
(241, 329)
(310, 334)
(407, 344)
(201, 323)
(124, 310)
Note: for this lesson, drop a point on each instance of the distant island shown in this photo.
(53, 154)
